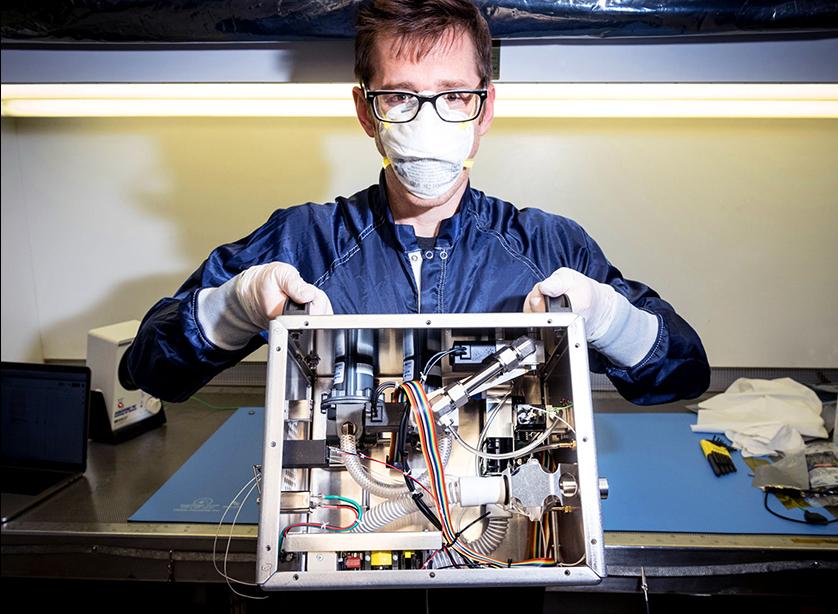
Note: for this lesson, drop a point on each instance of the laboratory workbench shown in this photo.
(82, 533)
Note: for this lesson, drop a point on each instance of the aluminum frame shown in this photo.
(268, 574)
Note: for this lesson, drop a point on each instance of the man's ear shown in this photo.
(362, 110)
(488, 113)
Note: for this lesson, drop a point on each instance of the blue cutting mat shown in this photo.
(201, 490)
(658, 478)
(659, 481)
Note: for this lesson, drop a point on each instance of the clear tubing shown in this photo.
(376, 487)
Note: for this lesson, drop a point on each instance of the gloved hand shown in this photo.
(233, 313)
(613, 326)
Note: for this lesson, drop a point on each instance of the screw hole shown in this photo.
(432, 574)
(593, 541)
(567, 572)
(273, 444)
(296, 577)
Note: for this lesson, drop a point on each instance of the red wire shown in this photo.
(327, 526)
(431, 558)
(375, 460)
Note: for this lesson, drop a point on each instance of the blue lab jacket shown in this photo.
(487, 257)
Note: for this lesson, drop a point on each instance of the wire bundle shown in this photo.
(421, 407)
(353, 506)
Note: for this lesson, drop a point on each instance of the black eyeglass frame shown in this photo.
(370, 95)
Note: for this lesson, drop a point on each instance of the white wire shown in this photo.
(515, 453)
(543, 529)
(221, 523)
(223, 574)
(556, 415)
(230, 540)
(573, 564)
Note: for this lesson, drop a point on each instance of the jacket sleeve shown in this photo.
(170, 357)
(676, 367)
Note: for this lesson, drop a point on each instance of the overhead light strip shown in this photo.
(514, 100)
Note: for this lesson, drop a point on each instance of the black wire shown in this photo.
(401, 441)
(420, 503)
(790, 519)
(401, 458)
(450, 558)
(468, 526)
(457, 349)
(379, 390)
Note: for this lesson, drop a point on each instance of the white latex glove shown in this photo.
(613, 326)
(233, 313)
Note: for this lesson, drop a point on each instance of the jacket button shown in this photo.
(429, 254)
(443, 255)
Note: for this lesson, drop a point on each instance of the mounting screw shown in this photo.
(278, 348)
(273, 444)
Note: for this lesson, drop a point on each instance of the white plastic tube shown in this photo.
(475, 491)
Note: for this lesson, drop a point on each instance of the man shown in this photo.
(421, 240)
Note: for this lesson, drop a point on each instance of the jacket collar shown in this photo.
(450, 229)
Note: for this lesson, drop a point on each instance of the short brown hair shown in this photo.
(417, 26)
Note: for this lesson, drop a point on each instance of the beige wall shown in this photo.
(734, 221)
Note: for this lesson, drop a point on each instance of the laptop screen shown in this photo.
(44, 416)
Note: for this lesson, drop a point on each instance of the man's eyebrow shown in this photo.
(454, 85)
(401, 85)
(441, 86)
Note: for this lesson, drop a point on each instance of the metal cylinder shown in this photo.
(355, 354)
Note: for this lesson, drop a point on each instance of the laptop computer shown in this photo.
(43, 415)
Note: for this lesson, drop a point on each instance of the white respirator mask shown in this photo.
(427, 153)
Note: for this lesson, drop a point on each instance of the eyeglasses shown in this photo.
(401, 107)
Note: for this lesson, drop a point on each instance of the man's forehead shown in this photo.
(444, 62)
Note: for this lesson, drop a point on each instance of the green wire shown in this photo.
(351, 502)
(208, 404)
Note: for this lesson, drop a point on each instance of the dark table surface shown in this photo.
(83, 531)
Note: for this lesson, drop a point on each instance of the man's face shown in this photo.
(449, 65)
